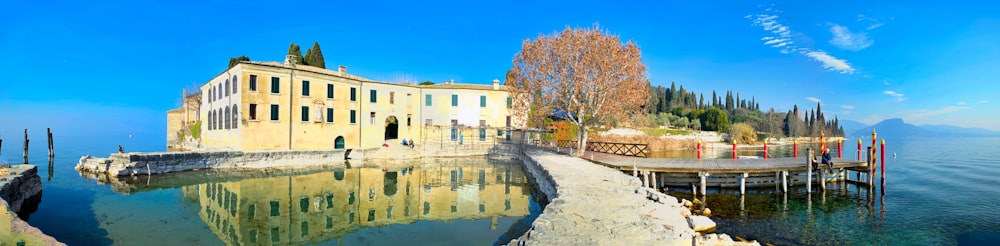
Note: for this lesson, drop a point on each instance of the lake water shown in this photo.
(459, 201)
(937, 192)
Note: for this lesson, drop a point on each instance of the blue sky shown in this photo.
(117, 67)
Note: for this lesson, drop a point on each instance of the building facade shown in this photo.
(273, 106)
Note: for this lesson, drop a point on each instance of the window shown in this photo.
(373, 97)
(392, 97)
(253, 82)
(275, 85)
(372, 118)
(227, 87)
(226, 121)
(510, 103)
(329, 115)
(275, 206)
(428, 122)
(304, 228)
(253, 111)
(508, 121)
(482, 101)
(219, 89)
(482, 130)
(304, 205)
(329, 91)
(354, 94)
(354, 116)
(236, 117)
(210, 95)
(274, 112)
(305, 113)
(210, 115)
(305, 88)
(454, 100)
(408, 117)
(427, 100)
(275, 235)
(454, 130)
(251, 211)
(235, 84)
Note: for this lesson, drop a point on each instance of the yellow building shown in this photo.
(313, 208)
(272, 105)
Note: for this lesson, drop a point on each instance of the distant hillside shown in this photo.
(851, 126)
(961, 131)
(897, 128)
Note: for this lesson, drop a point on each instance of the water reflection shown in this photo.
(323, 206)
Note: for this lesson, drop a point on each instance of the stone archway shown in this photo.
(391, 128)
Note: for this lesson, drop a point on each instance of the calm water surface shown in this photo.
(434, 202)
(937, 192)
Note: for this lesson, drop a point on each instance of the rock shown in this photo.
(706, 212)
(686, 203)
(685, 212)
(701, 223)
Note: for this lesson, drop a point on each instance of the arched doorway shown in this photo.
(391, 128)
(338, 143)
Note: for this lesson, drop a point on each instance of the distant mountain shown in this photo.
(895, 128)
(961, 131)
(851, 126)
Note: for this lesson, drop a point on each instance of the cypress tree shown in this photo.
(317, 57)
(307, 60)
(294, 50)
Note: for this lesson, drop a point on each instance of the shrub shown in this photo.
(742, 133)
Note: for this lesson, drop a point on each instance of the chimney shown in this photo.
(342, 70)
(452, 82)
(290, 59)
(496, 84)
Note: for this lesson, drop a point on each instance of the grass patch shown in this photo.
(195, 130)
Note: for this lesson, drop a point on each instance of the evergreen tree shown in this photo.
(308, 58)
(236, 60)
(294, 50)
(317, 57)
(701, 101)
(729, 100)
(715, 99)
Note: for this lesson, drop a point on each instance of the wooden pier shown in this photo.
(741, 173)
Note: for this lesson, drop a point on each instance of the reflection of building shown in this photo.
(318, 207)
(271, 105)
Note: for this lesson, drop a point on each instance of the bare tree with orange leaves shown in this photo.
(585, 76)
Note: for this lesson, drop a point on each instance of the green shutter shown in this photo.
(454, 100)
(329, 115)
(482, 101)
(329, 90)
(275, 85)
(305, 88)
(305, 113)
(427, 99)
(372, 97)
(354, 94)
(275, 208)
(510, 103)
(274, 112)
(354, 117)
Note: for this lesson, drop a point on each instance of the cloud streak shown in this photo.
(984, 101)
(899, 96)
(847, 107)
(780, 37)
(929, 113)
(813, 99)
(845, 39)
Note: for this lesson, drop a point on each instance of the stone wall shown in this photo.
(591, 204)
(19, 185)
(121, 164)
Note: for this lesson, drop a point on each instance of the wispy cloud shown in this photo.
(876, 23)
(929, 113)
(781, 37)
(899, 96)
(984, 101)
(847, 107)
(885, 82)
(813, 99)
(874, 26)
(960, 103)
(845, 39)
(830, 62)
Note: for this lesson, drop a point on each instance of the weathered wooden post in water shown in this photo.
(809, 170)
(883, 161)
(1, 144)
(26, 145)
(51, 146)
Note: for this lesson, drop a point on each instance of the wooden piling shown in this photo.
(655, 183)
(51, 146)
(26, 145)
(871, 165)
(743, 184)
(809, 170)
(784, 181)
(703, 182)
(883, 159)
(1, 144)
(822, 179)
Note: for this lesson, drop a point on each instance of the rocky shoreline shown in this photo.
(20, 188)
(595, 205)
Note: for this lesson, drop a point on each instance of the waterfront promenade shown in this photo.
(595, 205)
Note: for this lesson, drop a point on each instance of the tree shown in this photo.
(308, 58)
(317, 57)
(236, 60)
(427, 83)
(714, 120)
(294, 50)
(586, 72)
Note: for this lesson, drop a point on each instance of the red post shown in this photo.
(795, 148)
(840, 148)
(765, 148)
(699, 149)
(874, 143)
(734, 151)
(859, 149)
(883, 159)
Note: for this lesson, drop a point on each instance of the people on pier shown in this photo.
(121, 149)
(827, 159)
